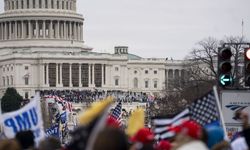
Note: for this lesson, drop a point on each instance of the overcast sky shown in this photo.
(160, 28)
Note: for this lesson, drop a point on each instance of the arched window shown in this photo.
(8, 82)
(11, 80)
(3, 81)
(135, 83)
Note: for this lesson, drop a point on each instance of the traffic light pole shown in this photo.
(236, 61)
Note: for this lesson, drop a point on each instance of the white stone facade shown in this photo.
(42, 47)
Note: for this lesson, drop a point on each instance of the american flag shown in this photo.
(203, 111)
(117, 111)
(67, 105)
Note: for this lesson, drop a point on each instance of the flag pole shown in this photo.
(220, 112)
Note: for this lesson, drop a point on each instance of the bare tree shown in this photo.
(202, 60)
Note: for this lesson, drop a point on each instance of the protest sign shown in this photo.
(27, 118)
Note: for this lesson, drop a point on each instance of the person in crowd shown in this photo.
(188, 137)
(243, 141)
(9, 144)
(50, 143)
(143, 140)
(111, 139)
(26, 139)
(216, 138)
(163, 145)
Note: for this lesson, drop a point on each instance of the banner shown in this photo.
(27, 118)
(53, 131)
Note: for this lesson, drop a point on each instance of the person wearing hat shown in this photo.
(163, 145)
(142, 140)
(188, 136)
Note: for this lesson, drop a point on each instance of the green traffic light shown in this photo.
(226, 80)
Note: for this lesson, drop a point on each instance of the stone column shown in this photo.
(5, 30)
(81, 32)
(1, 33)
(43, 3)
(89, 72)
(74, 31)
(70, 30)
(80, 75)
(64, 30)
(57, 75)
(93, 75)
(49, 4)
(22, 26)
(24, 4)
(57, 29)
(70, 75)
(47, 74)
(37, 3)
(42, 72)
(31, 3)
(10, 30)
(102, 75)
(50, 29)
(30, 32)
(166, 80)
(15, 30)
(44, 28)
(61, 75)
(37, 29)
(19, 29)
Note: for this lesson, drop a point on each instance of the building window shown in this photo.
(155, 72)
(8, 82)
(135, 83)
(34, 4)
(26, 67)
(28, 4)
(11, 80)
(3, 69)
(146, 71)
(3, 81)
(116, 69)
(26, 80)
(11, 68)
(7, 68)
(155, 84)
(116, 82)
(26, 95)
(62, 4)
(146, 84)
(135, 72)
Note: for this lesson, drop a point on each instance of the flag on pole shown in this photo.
(67, 105)
(203, 110)
(117, 111)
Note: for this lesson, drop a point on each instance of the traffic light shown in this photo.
(247, 66)
(224, 66)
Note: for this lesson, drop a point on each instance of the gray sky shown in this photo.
(160, 28)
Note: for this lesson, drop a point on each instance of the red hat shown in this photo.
(144, 135)
(163, 145)
(192, 129)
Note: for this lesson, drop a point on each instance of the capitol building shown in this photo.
(42, 47)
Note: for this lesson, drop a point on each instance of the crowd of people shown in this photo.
(89, 96)
(188, 135)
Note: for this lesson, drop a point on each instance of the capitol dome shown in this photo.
(41, 23)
